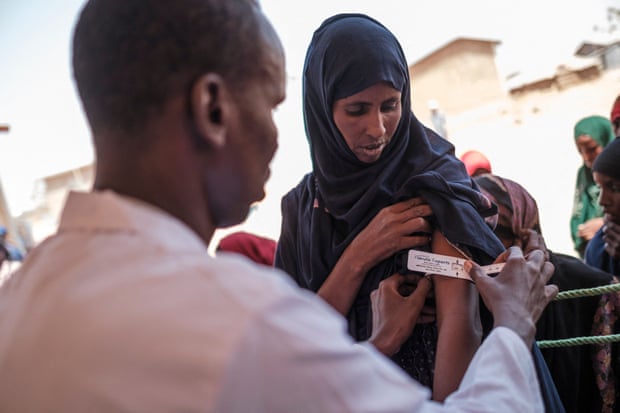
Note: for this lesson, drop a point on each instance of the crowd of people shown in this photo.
(586, 377)
(124, 309)
(571, 368)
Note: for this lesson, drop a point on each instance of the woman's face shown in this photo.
(367, 120)
(588, 149)
(609, 197)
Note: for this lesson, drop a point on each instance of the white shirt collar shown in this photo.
(111, 212)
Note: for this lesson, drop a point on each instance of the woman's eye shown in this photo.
(390, 106)
(355, 110)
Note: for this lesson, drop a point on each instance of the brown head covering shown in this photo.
(516, 205)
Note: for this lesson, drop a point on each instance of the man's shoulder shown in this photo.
(143, 279)
(244, 279)
(229, 283)
(187, 296)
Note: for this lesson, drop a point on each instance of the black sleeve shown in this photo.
(286, 251)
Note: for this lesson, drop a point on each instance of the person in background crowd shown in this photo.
(615, 116)
(476, 163)
(259, 249)
(9, 251)
(603, 252)
(124, 309)
(438, 119)
(592, 134)
(571, 368)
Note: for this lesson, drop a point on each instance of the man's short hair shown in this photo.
(131, 56)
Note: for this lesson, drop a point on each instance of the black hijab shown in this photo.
(323, 214)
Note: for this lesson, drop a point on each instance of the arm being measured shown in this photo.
(458, 324)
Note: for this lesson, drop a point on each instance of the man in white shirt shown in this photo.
(124, 310)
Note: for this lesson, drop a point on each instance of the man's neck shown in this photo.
(171, 187)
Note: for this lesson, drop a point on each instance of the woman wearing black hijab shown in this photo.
(377, 173)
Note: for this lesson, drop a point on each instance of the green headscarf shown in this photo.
(597, 127)
(585, 201)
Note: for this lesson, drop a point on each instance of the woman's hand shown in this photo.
(395, 315)
(529, 241)
(611, 236)
(410, 283)
(395, 228)
(389, 231)
(589, 228)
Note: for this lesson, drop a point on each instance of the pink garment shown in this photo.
(259, 249)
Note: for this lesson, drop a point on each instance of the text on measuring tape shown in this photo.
(430, 263)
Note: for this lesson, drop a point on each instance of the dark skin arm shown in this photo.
(457, 311)
(388, 232)
(516, 297)
(458, 319)
(458, 324)
(588, 229)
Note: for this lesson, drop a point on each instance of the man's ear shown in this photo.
(209, 104)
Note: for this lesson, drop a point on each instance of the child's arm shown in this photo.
(458, 324)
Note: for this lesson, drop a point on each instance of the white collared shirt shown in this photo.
(124, 310)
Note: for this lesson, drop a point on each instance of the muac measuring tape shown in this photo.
(437, 264)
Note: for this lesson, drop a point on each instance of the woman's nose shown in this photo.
(602, 199)
(376, 125)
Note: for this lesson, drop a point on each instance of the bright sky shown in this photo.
(49, 135)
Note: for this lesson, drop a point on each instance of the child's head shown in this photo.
(606, 171)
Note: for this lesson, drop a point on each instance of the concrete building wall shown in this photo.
(459, 76)
(611, 58)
